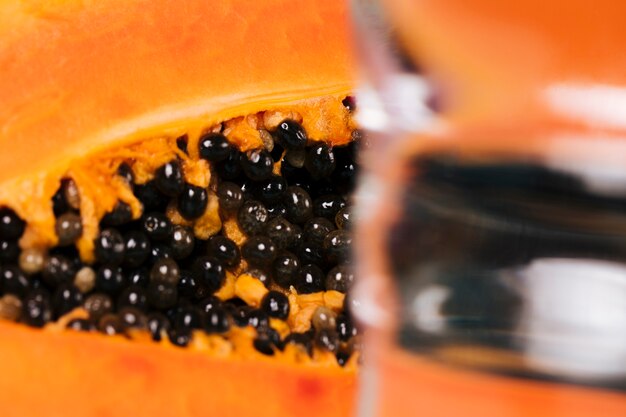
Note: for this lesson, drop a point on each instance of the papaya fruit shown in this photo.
(175, 222)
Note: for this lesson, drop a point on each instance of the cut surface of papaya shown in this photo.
(175, 208)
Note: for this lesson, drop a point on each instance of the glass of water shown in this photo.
(492, 212)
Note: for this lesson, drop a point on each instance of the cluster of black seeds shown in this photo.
(151, 274)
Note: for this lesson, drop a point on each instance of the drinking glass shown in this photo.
(492, 209)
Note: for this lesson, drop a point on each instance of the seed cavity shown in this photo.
(286, 232)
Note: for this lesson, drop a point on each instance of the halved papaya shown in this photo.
(177, 176)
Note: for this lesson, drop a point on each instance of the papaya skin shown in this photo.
(82, 77)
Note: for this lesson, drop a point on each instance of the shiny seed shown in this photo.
(261, 275)
(276, 304)
(210, 272)
(65, 299)
(111, 324)
(13, 280)
(31, 260)
(10, 307)
(283, 233)
(165, 271)
(110, 279)
(345, 328)
(68, 228)
(71, 194)
(224, 249)
(316, 229)
(192, 202)
(157, 324)
(97, 305)
(324, 318)
(230, 168)
(189, 285)
(344, 218)
(85, 279)
(157, 226)
(320, 161)
(230, 196)
(9, 251)
(133, 296)
(58, 269)
(339, 278)
(214, 147)
(257, 164)
(258, 319)
(295, 157)
(182, 242)
(338, 246)
(187, 318)
(11, 225)
(136, 248)
(304, 340)
(216, 320)
(309, 279)
(343, 356)
(126, 172)
(109, 247)
(132, 318)
(180, 338)
(270, 191)
(291, 134)
(259, 251)
(162, 296)
(328, 205)
(36, 310)
(169, 178)
(121, 214)
(252, 217)
(327, 339)
(349, 103)
(298, 203)
(80, 325)
(285, 267)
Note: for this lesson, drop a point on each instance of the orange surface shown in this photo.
(75, 374)
(81, 75)
(496, 60)
(411, 387)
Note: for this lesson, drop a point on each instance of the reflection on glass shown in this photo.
(515, 258)
(492, 247)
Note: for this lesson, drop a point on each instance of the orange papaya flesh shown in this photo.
(107, 376)
(128, 90)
